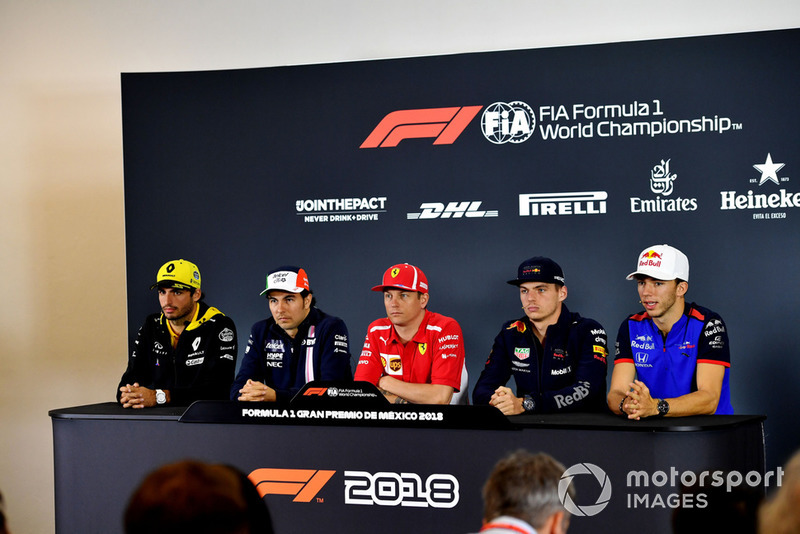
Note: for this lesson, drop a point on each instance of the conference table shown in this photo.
(337, 460)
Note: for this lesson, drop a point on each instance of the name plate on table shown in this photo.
(346, 404)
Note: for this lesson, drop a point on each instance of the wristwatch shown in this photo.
(528, 404)
(161, 397)
(663, 407)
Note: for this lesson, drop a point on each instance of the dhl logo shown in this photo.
(445, 124)
(304, 484)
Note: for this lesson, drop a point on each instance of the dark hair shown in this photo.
(525, 486)
(304, 293)
(3, 528)
(192, 496)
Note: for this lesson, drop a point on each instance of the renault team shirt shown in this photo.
(669, 367)
(434, 356)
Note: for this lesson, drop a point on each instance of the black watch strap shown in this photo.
(528, 404)
(663, 407)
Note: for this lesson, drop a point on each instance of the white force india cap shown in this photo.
(662, 262)
(289, 278)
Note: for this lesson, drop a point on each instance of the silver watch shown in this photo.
(161, 397)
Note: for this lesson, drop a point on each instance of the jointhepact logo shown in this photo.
(444, 124)
(602, 500)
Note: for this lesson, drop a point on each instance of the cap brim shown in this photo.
(632, 275)
(285, 290)
(649, 275)
(178, 285)
(401, 288)
(384, 288)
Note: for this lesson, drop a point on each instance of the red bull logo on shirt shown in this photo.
(519, 325)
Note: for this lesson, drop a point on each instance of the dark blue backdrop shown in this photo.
(216, 163)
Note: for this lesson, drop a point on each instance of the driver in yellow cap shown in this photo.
(187, 352)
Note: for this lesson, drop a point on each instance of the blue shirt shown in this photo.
(668, 366)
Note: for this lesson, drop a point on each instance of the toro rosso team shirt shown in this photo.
(434, 356)
(669, 366)
(567, 374)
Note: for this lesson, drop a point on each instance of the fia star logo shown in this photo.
(769, 171)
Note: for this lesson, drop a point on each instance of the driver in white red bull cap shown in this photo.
(413, 355)
(673, 357)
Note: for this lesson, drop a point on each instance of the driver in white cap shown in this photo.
(298, 344)
(673, 358)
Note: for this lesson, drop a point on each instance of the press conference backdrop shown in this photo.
(465, 165)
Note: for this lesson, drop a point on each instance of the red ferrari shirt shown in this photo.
(434, 356)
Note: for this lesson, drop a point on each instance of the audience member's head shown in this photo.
(3, 524)
(196, 497)
(781, 513)
(524, 486)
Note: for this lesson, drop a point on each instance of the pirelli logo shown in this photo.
(443, 124)
(303, 484)
(572, 203)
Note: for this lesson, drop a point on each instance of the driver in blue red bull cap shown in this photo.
(557, 357)
(673, 357)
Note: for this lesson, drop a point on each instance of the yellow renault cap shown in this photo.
(178, 273)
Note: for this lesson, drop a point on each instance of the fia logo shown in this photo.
(512, 122)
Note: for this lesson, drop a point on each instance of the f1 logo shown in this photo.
(445, 124)
(304, 484)
(315, 391)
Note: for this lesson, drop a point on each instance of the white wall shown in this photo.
(62, 263)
